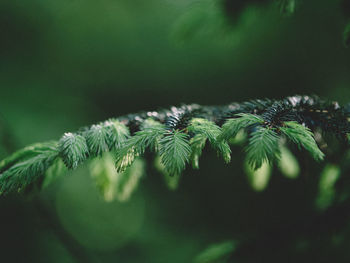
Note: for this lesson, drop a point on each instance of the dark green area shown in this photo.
(69, 63)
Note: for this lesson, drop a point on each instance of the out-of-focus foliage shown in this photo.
(326, 194)
(346, 36)
(216, 253)
(259, 178)
(288, 7)
(54, 172)
(288, 164)
(112, 184)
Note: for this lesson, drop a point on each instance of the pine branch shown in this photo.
(25, 172)
(263, 147)
(73, 149)
(22, 154)
(175, 151)
(106, 136)
(303, 137)
(179, 134)
(118, 133)
(97, 139)
(209, 130)
(242, 121)
(137, 144)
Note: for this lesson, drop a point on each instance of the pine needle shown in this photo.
(24, 153)
(263, 147)
(211, 131)
(233, 126)
(177, 147)
(97, 139)
(118, 133)
(175, 151)
(137, 144)
(73, 150)
(24, 173)
(106, 137)
(303, 137)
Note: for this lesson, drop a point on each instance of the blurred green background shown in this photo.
(69, 63)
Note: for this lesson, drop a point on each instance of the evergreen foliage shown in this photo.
(97, 139)
(28, 170)
(205, 129)
(296, 149)
(303, 137)
(114, 145)
(175, 151)
(118, 133)
(106, 136)
(234, 125)
(137, 144)
(263, 147)
(73, 149)
(23, 154)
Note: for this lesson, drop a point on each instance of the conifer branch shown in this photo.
(25, 172)
(178, 136)
(205, 129)
(303, 137)
(263, 147)
(175, 151)
(73, 149)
